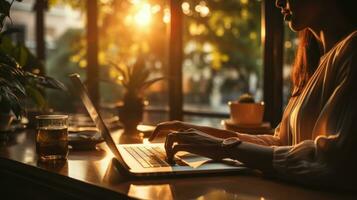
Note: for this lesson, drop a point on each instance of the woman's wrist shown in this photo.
(228, 144)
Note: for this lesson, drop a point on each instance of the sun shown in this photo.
(143, 16)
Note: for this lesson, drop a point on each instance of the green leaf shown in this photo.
(9, 101)
(148, 83)
(45, 81)
(36, 96)
(8, 60)
(120, 70)
(138, 67)
(12, 74)
(6, 45)
(16, 87)
(22, 55)
(141, 78)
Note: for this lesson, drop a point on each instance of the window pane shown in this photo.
(65, 51)
(205, 121)
(155, 117)
(129, 29)
(290, 45)
(22, 16)
(222, 53)
(63, 38)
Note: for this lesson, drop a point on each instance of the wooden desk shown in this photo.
(91, 175)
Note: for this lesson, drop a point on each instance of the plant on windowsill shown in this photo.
(16, 84)
(135, 80)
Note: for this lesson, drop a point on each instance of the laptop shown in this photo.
(148, 159)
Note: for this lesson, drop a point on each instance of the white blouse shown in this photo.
(316, 141)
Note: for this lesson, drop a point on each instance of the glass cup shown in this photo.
(52, 137)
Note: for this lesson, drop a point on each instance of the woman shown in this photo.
(314, 143)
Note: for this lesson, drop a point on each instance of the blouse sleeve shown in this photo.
(330, 160)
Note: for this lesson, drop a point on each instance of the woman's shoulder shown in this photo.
(345, 57)
(352, 35)
(348, 46)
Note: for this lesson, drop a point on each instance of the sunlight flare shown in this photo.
(143, 16)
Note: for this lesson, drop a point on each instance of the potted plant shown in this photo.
(135, 79)
(15, 83)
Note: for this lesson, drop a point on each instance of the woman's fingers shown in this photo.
(165, 128)
(156, 132)
(193, 143)
(170, 140)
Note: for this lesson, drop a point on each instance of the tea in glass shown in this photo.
(52, 137)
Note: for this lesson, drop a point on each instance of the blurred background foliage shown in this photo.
(222, 48)
(218, 35)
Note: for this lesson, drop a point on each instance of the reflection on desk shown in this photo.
(93, 175)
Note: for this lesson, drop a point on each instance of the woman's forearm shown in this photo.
(220, 133)
(253, 156)
(267, 140)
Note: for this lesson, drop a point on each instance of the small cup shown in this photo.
(52, 137)
(246, 113)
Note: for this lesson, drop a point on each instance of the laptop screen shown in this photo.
(93, 113)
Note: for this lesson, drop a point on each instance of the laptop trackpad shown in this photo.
(192, 160)
(196, 161)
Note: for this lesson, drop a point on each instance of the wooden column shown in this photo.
(273, 30)
(175, 61)
(40, 7)
(92, 51)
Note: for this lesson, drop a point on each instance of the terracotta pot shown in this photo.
(131, 113)
(246, 113)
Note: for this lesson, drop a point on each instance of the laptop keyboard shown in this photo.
(148, 157)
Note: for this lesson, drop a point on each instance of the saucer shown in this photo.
(263, 128)
(263, 125)
(84, 140)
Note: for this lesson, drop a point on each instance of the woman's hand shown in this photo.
(200, 143)
(167, 127)
(194, 141)
(172, 126)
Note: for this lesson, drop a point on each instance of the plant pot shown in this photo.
(5, 121)
(131, 114)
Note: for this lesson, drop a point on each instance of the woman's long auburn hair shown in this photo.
(309, 50)
(306, 61)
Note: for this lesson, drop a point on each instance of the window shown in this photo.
(127, 30)
(65, 47)
(59, 40)
(223, 51)
(222, 54)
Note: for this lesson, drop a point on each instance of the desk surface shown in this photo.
(94, 169)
